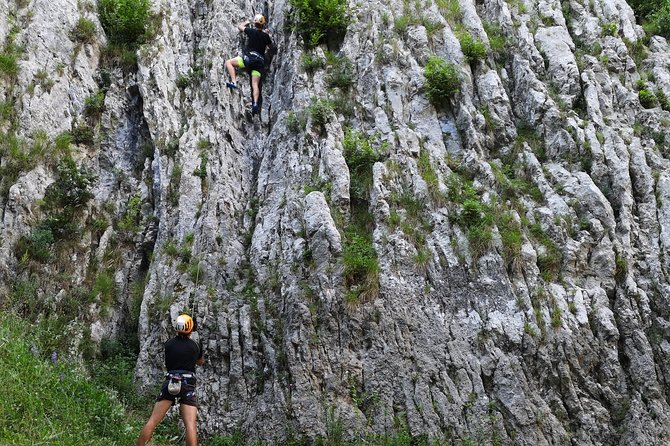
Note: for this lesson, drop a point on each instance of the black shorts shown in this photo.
(185, 396)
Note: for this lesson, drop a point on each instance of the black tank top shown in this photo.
(181, 353)
(257, 40)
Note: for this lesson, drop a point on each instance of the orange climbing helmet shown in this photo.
(184, 324)
(259, 20)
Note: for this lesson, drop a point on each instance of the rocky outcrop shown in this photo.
(521, 232)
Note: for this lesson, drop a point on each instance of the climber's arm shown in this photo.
(243, 25)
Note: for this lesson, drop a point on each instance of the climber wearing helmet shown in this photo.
(181, 356)
(253, 58)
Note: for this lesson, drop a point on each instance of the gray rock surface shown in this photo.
(553, 335)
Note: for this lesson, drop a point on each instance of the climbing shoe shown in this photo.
(255, 109)
(231, 85)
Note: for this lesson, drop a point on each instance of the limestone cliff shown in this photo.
(518, 292)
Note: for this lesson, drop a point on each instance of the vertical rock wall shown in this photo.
(555, 337)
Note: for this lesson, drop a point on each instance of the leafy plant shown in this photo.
(70, 191)
(321, 21)
(473, 49)
(339, 73)
(442, 80)
(9, 65)
(37, 245)
(83, 134)
(647, 98)
(310, 63)
(610, 29)
(124, 21)
(320, 110)
(94, 104)
(360, 154)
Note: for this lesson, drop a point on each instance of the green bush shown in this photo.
(295, 121)
(311, 63)
(83, 134)
(321, 21)
(71, 189)
(124, 21)
(320, 110)
(473, 49)
(84, 30)
(610, 29)
(37, 245)
(104, 289)
(94, 104)
(360, 154)
(647, 98)
(339, 73)
(442, 80)
(644, 8)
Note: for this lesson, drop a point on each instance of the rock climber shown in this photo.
(182, 354)
(253, 58)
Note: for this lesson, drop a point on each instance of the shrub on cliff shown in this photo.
(321, 21)
(124, 21)
(442, 80)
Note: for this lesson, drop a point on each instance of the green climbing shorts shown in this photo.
(240, 63)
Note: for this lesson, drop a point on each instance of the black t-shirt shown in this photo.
(257, 40)
(181, 353)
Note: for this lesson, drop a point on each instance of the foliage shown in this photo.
(339, 73)
(9, 65)
(320, 110)
(361, 267)
(104, 288)
(310, 63)
(37, 245)
(124, 21)
(473, 49)
(550, 258)
(94, 104)
(321, 21)
(647, 98)
(430, 177)
(400, 24)
(16, 158)
(442, 80)
(295, 121)
(84, 30)
(70, 191)
(610, 29)
(49, 399)
(83, 134)
(360, 153)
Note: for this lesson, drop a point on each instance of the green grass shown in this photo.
(84, 31)
(43, 402)
(9, 65)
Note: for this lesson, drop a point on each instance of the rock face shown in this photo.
(521, 231)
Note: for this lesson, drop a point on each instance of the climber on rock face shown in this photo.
(182, 354)
(253, 58)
